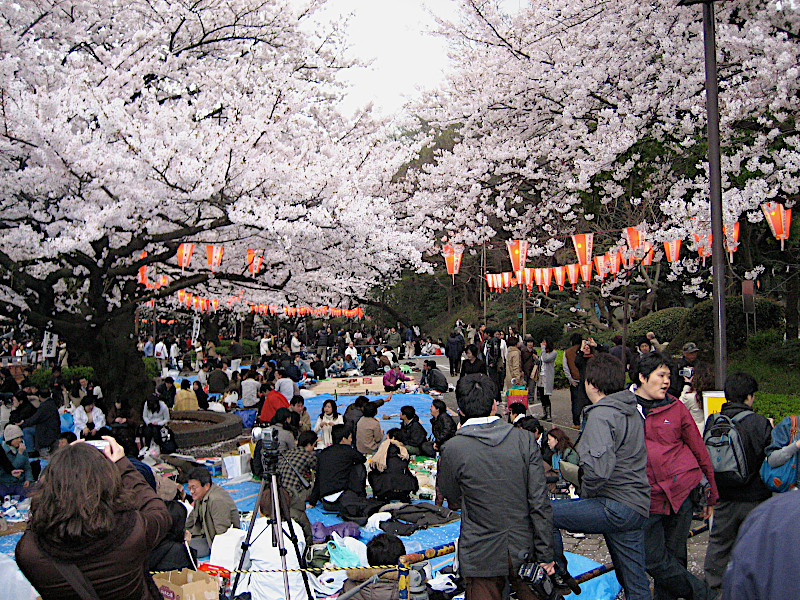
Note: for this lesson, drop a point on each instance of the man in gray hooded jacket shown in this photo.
(496, 471)
(615, 492)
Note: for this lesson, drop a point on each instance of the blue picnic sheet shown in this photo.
(388, 414)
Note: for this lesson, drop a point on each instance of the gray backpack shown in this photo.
(726, 449)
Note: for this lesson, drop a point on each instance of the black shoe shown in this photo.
(566, 582)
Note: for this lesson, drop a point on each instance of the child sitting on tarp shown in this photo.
(389, 475)
(385, 549)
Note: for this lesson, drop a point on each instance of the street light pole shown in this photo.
(718, 262)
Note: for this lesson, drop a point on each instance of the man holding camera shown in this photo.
(495, 470)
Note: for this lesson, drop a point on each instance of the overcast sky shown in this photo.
(394, 34)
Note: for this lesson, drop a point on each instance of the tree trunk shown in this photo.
(792, 293)
(247, 326)
(111, 351)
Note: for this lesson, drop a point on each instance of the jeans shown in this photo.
(29, 439)
(579, 401)
(623, 530)
(665, 547)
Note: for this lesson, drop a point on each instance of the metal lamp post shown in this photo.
(715, 190)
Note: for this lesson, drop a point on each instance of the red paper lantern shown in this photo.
(185, 255)
(583, 247)
(560, 274)
(573, 271)
(649, 251)
(142, 278)
(586, 273)
(537, 277)
(528, 277)
(614, 262)
(254, 262)
(452, 259)
(672, 250)
(518, 253)
(634, 238)
(779, 220)
(731, 240)
(600, 266)
(547, 278)
(214, 255)
(507, 277)
(703, 246)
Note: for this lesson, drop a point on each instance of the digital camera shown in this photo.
(687, 372)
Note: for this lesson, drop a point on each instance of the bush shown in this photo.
(250, 347)
(664, 323)
(151, 367)
(41, 377)
(560, 382)
(544, 326)
(764, 341)
(698, 324)
(776, 406)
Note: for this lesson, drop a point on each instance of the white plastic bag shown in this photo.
(226, 550)
(15, 586)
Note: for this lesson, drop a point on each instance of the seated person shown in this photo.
(304, 367)
(65, 438)
(170, 554)
(298, 405)
(384, 549)
(393, 379)
(336, 368)
(434, 379)
(286, 439)
(155, 415)
(340, 470)
(368, 430)
(304, 460)
(350, 365)
(516, 411)
(185, 398)
(272, 403)
(389, 475)
(563, 450)
(214, 512)
(266, 580)
(369, 365)
(318, 367)
(16, 475)
(412, 433)
(88, 420)
(45, 425)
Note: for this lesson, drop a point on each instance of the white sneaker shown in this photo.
(578, 536)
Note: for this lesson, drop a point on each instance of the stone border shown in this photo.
(221, 427)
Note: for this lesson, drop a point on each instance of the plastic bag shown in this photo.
(15, 586)
(226, 550)
(342, 556)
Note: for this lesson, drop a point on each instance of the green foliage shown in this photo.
(151, 367)
(41, 377)
(664, 323)
(698, 324)
(560, 382)
(250, 347)
(772, 377)
(776, 406)
(224, 350)
(764, 341)
(542, 326)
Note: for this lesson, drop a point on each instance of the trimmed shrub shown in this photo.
(664, 323)
(545, 326)
(151, 367)
(41, 377)
(776, 406)
(765, 341)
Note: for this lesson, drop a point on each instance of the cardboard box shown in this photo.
(187, 585)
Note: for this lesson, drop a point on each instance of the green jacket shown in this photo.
(18, 460)
(214, 514)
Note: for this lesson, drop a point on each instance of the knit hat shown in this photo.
(166, 488)
(12, 432)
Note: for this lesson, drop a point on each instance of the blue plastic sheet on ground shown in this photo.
(420, 402)
(605, 587)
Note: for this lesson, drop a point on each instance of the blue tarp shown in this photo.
(420, 402)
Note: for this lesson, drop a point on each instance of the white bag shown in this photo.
(226, 550)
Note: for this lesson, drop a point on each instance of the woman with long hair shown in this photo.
(202, 397)
(547, 376)
(562, 448)
(155, 415)
(93, 520)
(327, 419)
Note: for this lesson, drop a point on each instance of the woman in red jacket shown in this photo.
(94, 521)
(677, 460)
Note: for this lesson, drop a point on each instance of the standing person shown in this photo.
(394, 341)
(162, 355)
(109, 544)
(174, 353)
(737, 499)
(326, 420)
(408, 338)
(530, 368)
(513, 364)
(322, 344)
(495, 366)
(295, 345)
(263, 346)
(622, 353)
(495, 471)
(573, 375)
(472, 364)
(214, 512)
(614, 490)
(547, 377)
(453, 350)
(588, 349)
(149, 347)
(690, 352)
(677, 461)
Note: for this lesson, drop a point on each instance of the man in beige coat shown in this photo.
(214, 512)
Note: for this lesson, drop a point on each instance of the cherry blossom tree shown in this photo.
(129, 128)
(588, 115)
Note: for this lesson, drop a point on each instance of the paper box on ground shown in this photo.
(234, 465)
(213, 464)
(187, 585)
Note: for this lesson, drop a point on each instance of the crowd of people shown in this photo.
(643, 467)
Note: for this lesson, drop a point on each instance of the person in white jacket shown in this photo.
(87, 419)
(155, 415)
(264, 556)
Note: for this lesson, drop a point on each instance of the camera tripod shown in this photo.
(269, 459)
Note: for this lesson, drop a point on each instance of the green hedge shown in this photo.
(151, 367)
(776, 406)
(41, 377)
(698, 324)
(664, 323)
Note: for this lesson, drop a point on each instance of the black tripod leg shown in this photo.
(246, 542)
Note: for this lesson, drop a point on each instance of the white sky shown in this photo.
(394, 34)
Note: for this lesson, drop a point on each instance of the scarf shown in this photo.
(378, 460)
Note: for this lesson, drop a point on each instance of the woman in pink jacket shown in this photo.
(677, 463)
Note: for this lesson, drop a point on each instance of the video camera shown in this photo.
(539, 581)
(267, 439)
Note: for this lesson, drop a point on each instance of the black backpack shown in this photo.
(726, 449)
(493, 353)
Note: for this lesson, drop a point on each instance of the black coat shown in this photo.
(436, 380)
(443, 427)
(413, 433)
(47, 423)
(335, 466)
(395, 480)
(487, 468)
(454, 346)
(468, 368)
(370, 366)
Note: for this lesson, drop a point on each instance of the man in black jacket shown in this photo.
(433, 378)
(496, 471)
(340, 471)
(736, 501)
(412, 433)
(47, 426)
